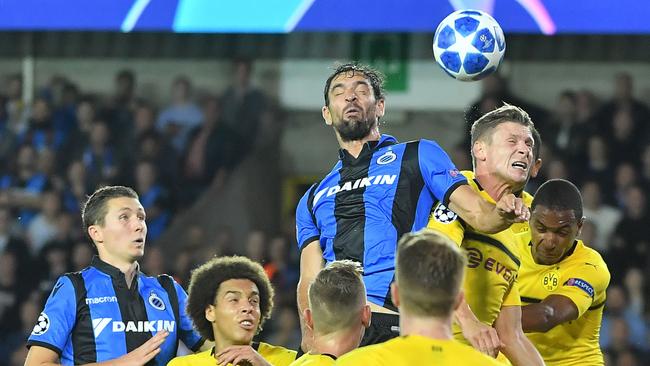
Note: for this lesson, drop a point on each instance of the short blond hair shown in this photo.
(429, 272)
(337, 296)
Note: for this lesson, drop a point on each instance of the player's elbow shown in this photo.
(542, 322)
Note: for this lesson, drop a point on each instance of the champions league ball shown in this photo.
(469, 45)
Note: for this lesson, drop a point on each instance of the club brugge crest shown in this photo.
(156, 301)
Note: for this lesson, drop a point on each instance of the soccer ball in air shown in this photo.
(469, 45)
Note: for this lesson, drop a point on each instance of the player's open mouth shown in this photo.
(247, 324)
(520, 165)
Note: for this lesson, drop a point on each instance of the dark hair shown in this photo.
(205, 283)
(505, 113)
(559, 194)
(375, 78)
(95, 209)
(429, 272)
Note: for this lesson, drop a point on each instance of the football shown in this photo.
(469, 45)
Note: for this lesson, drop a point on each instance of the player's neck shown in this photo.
(354, 147)
(430, 327)
(336, 344)
(221, 343)
(128, 268)
(495, 186)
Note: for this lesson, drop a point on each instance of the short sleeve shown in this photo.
(585, 285)
(512, 297)
(306, 228)
(447, 222)
(55, 323)
(186, 332)
(438, 171)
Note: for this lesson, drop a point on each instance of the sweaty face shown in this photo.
(553, 233)
(353, 109)
(124, 231)
(509, 153)
(236, 314)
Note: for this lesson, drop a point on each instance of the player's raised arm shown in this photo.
(519, 350)
(544, 316)
(485, 216)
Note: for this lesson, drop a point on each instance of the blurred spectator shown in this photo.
(99, 158)
(12, 293)
(154, 198)
(588, 232)
(119, 114)
(41, 132)
(256, 246)
(82, 255)
(210, 154)
(283, 274)
(153, 262)
(619, 334)
(622, 328)
(285, 328)
(563, 132)
(623, 101)
(77, 187)
(181, 116)
(630, 239)
(45, 227)
(587, 105)
(11, 342)
(604, 217)
(634, 285)
(16, 110)
(624, 178)
(598, 167)
(243, 106)
(24, 185)
(151, 146)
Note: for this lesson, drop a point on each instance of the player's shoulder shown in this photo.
(527, 198)
(587, 258)
(276, 355)
(314, 360)
(372, 354)
(200, 358)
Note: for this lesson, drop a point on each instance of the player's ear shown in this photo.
(380, 108)
(95, 233)
(366, 315)
(309, 319)
(581, 222)
(326, 115)
(478, 150)
(534, 170)
(394, 293)
(209, 313)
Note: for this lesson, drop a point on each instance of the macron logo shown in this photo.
(99, 324)
(359, 183)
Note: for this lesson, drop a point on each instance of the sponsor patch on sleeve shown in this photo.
(581, 284)
(444, 215)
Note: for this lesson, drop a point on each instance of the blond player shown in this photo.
(505, 147)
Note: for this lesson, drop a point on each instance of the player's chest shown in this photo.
(540, 281)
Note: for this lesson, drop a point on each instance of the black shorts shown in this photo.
(382, 328)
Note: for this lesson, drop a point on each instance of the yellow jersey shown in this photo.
(314, 360)
(417, 350)
(583, 277)
(275, 355)
(493, 260)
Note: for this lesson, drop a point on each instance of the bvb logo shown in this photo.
(551, 280)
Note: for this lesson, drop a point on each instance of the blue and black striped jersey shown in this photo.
(92, 316)
(364, 205)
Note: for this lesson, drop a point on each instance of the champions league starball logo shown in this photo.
(42, 325)
(444, 215)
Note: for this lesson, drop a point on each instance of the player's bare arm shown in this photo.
(482, 337)
(311, 262)
(544, 316)
(485, 216)
(516, 346)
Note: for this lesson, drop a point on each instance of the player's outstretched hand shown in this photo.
(241, 355)
(513, 208)
(144, 353)
(482, 337)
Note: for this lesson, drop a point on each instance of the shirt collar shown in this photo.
(370, 146)
(111, 270)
